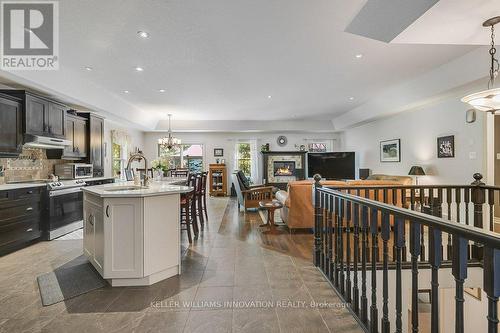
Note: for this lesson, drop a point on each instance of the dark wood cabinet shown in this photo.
(76, 132)
(11, 129)
(56, 119)
(96, 144)
(42, 115)
(20, 217)
(36, 113)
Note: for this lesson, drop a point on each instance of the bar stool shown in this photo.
(198, 197)
(187, 217)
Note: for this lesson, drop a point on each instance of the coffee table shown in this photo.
(270, 206)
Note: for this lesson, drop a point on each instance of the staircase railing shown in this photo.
(353, 234)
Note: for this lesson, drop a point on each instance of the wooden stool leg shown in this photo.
(200, 212)
(194, 219)
(205, 205)
(188, 226)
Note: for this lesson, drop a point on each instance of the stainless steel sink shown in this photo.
(125, 188)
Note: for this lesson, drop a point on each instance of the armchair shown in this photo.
(249, 196)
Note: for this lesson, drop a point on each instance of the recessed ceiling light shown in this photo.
(351, 98)
(126, 91)
(269, 96)
(161, 90)
(139, 69)
(143, 34)
(87, 68)
(359, 55)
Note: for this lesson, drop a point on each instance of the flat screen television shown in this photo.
(332, 166)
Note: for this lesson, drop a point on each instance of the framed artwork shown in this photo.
(390, 150)
(317, 147)
(218, 152)
(446, 146)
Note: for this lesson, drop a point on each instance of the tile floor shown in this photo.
(227, 285)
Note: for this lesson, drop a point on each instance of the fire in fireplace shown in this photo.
(284, 168)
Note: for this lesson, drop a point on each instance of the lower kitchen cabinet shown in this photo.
(113, 239)
(20, 217)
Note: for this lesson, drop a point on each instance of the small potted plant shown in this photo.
(161, 165)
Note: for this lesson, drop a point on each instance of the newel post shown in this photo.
(318, 218)
(478, 198)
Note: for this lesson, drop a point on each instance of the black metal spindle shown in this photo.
(329, 236)
(491, 203)
(336, 265)
(459, 271)
(355, 289)
(324, 244)
(364, 246)
(385, 234)
(491, 281)
(317, 222)
(415, 252)
(435, 258)
(348, 251)
(341, 247)
(399, 241)
(373, 307)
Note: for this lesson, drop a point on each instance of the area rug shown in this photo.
(68, 281)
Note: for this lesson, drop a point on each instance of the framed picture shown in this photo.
(446, 146)
(218, 152)
(390, 151)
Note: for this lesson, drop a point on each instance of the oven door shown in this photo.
(65, 207)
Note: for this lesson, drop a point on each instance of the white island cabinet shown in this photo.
(132, 234)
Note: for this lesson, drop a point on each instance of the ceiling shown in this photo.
(256, 60)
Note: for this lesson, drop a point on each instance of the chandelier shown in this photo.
(169, 141)
(488, 100)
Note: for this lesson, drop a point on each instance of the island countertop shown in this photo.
(127, 190)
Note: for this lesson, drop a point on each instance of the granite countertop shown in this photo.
(119, 189)
(40, 183)
(15, 186)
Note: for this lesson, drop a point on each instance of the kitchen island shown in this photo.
(132, 233)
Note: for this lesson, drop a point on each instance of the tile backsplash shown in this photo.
(32, 163)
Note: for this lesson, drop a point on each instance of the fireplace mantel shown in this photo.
(270, 157)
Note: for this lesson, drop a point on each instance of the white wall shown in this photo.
(136, 136)
(227, 141)
(418, 131)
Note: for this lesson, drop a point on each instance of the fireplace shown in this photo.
(284, 168)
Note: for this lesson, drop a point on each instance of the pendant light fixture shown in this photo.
(169, 141)
(488, 100)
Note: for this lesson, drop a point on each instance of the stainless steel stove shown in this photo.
(65, 207)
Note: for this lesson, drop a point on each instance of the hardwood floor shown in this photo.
(244, 226)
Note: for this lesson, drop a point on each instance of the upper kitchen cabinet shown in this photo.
(11, 129)
(96, 144)
(42, 116)
(76, 132)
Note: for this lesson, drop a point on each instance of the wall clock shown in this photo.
(282, 140)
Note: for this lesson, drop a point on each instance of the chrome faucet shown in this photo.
(137, 157)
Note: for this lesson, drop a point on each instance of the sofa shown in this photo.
(298, 208)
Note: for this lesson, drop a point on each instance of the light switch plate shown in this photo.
(498, 156)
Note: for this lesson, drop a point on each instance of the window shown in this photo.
(185, 156)
(244, 158)
(118, 163)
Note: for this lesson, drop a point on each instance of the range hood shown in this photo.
(36, 141)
